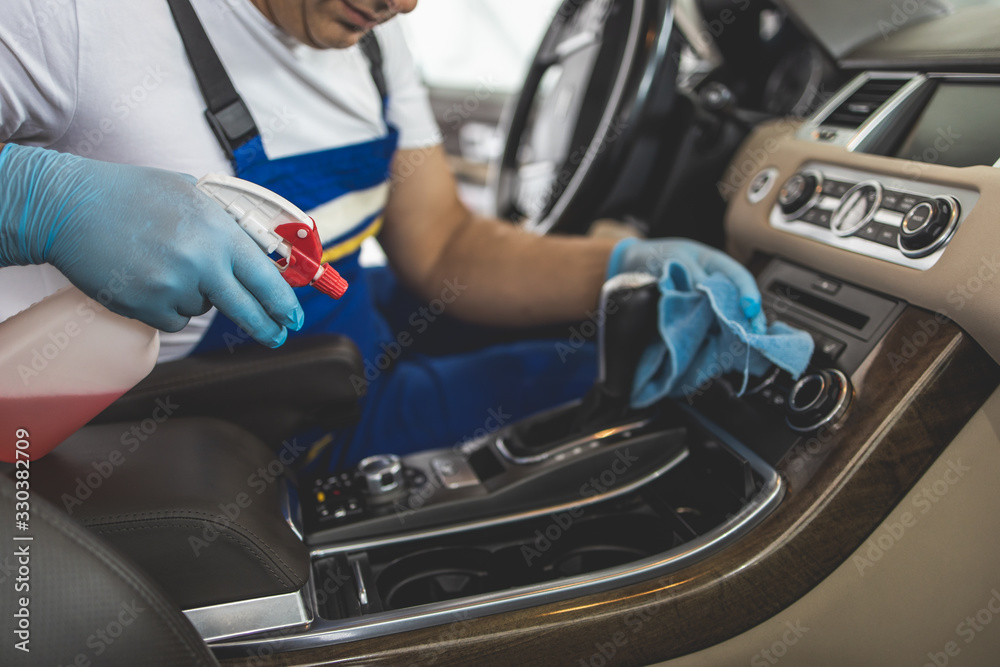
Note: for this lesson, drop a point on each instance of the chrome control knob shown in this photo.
(818, 399)
(383, 474)
(857, 208)
(799, 193)
(928, 226)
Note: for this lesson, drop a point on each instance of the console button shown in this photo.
(829, 348)
(906, 202)
(890, 200)
(887, 236)
(918, 218)
(816, 216)
(869, 232)
(836, 188)
(454, 472)
(827, 286)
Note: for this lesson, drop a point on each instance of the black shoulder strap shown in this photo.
(227, 113)
(373, 52)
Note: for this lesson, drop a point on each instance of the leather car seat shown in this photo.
(87, 604)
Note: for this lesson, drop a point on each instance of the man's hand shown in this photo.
(181, 252)
(699, 259)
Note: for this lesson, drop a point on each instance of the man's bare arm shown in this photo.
(513, 278)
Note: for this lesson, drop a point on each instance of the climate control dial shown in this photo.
(857, 208)
(818, 399)
(799, 193)
(928, 225)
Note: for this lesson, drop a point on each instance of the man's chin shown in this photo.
(341, 36)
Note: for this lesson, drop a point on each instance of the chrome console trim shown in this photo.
(870, 131)
(291, 510)
(324, 632)
(359, 580)
(252, 617)
(592, 440)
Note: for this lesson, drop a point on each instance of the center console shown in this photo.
(583, 498)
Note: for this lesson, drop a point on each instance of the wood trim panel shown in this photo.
(913, 395)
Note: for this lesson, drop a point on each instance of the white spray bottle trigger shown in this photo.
(278, 227)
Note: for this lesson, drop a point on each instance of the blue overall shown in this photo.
(420, 394)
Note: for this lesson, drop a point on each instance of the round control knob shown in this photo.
(928, 226)
(799, 193)
(856, 208)
(717, 97)
(383, 474)
(818, 399)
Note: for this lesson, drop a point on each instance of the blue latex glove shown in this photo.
(146, 239)
(704, 336)
(635, 255)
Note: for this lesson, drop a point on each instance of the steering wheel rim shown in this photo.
(645, 61)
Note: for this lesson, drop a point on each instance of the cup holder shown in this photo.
(436, 575)
(564, 548)
(606, 541)
(589, 544)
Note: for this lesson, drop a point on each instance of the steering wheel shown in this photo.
(604, 72)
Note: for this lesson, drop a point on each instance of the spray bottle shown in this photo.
(66, 358)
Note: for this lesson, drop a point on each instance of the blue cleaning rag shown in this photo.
(705, 335)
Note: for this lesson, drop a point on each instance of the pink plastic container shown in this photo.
(62, 362)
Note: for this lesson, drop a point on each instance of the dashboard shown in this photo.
(892, 185)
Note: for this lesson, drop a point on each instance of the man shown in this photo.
(112, 81)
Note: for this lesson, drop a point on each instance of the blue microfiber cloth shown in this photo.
(705, 335)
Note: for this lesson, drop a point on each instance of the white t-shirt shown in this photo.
(110, 80)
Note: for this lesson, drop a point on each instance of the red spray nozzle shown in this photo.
(303, 266)
(331, 282)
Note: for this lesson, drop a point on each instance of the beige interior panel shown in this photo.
(971, 262)
(938, 565)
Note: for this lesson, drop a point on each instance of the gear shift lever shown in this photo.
(629, 303)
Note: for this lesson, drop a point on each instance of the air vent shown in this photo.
(864, 102)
